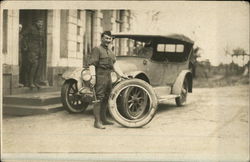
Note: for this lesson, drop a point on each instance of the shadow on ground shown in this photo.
(166, 107)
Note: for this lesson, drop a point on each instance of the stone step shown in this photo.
(35, 99)
(32, 103)
(23, 110)
(22, 90)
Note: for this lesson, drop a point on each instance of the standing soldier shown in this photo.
(35, 50)
(22, 58)
(101, 63)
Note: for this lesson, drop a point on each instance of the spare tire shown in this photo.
(141, 103)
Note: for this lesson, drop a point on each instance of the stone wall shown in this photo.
(10, 68)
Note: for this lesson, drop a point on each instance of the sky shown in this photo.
(214, 26)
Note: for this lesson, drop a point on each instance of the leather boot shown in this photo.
(97, 115)
(104, 118)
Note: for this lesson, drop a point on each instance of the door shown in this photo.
(26, 20)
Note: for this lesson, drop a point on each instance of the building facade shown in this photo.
(69, 35)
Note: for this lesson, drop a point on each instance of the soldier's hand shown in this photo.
(93, 81)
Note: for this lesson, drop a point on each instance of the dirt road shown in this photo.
(212, 126)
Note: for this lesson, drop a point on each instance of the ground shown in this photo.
(212, 126)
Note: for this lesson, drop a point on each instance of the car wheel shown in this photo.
(133, 103)
(70, 99)
(180, 101)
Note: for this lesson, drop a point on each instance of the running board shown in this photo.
(163, 94)
(163, 99)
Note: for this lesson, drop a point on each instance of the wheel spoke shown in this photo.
(134, 107)
(130, 106)
(139, 93)
(135, 91)
(130, 101)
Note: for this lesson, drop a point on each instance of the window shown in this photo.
(161, 47)
(5, 31)
(174, 48)
(78, 14)
(88, 34)
(170, 48)
(78, 30)
(78, 46)
(118, 43)
(179, 48)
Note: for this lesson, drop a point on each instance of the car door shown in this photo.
(155, 71)
(174, 63)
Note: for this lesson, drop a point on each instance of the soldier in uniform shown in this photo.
(35, 50)
(101, 63)
(22, 59)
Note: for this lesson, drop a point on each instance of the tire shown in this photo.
(71, 101)
(124, 117)
(180, 101)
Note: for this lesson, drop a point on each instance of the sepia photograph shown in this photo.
(119, 81)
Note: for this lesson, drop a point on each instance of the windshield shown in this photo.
(131, 47)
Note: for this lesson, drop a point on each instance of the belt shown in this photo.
(102, 71)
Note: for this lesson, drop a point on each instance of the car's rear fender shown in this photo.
(139, 75)
(185, 74)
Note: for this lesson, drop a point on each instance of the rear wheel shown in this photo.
(71, 100)
(133, 103)
(180, 101)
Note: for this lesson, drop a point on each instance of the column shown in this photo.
(97, 28)
(53, 38)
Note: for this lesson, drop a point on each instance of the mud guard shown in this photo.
(74, 74)
(179, 82)
(133, 74)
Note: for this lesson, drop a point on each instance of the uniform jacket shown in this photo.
(102, 57)
(34, 41)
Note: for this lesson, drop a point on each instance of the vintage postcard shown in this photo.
(124, 80)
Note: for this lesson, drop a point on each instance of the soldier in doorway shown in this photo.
(34, 39)
(22, 58)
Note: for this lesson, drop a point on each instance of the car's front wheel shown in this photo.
(71, 100)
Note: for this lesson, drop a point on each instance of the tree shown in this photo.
(239, 52)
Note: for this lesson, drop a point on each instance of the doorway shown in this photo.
(26, 20)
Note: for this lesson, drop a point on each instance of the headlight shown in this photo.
(114, 77)
(86, 76)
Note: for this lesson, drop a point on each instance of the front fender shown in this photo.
(74, 74)
(135, 73)
(179, 82)
(139, 74)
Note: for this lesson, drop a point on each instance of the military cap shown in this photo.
(35, 19)
(108, 33)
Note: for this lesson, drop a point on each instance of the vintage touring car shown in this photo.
(159, 68)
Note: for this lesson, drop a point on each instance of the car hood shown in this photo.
(130, 63)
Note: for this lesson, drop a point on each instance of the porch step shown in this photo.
(32, 103)
(23, 110)
(35, 99)
(22, 90)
